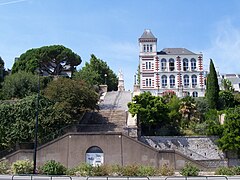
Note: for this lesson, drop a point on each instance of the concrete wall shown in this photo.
(71, 148)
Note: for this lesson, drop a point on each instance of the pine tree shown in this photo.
(212, 92)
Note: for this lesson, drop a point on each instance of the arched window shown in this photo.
(150, 47)
(144, 48)
(163, 64)
(164, 81)
(195, 94)
(185, 64)
(172, 81)
(148, 65)
(187, 93)
(148, 82)
(171, 64)
(193, 64)
(186, 80)
(147, 47)
(194, 81)
(94, 156)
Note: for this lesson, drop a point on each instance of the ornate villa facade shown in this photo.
(175, 70)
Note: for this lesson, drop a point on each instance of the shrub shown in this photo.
(237, 170)
(103, 170)
(189, 170)
(4, 167)
(116, 170)
(22, 167)
(83, 169)
(130, 170)
(146, 171)
(53, 168)
(225, 171)
(166, 170)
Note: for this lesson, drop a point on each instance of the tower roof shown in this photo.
(147, 36)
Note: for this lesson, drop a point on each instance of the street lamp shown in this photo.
(105, 75)
(36, 129)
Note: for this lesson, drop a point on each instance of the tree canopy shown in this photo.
(19, 85)
(71, 96)
(51, 60)
(97, 72)
(151, 111)
(230, 139)
(212, 91)
(2, 70)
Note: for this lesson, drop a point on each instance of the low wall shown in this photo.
(71, 149)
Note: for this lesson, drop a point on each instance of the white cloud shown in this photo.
(11, 2)
(225, 47)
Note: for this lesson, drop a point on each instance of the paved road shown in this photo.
(7, 177)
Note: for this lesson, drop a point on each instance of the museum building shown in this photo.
(174, 70)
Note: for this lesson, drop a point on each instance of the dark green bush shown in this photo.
(146, 171)
(22, 167)
(189, 170)
(166, 170)
(130, 170)
(53, 168)
(225, 171)
(4, 167)
(237, 170)
(83, 169)
(103, 170)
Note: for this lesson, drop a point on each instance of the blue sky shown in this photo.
(110, 29)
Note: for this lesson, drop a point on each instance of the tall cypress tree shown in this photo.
(212, 92)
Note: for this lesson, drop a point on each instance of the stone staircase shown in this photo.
(112, 115)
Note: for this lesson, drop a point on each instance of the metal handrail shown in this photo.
(36, 175)
(127, 177)
(187, 177)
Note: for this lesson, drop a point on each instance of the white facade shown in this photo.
(172, 69)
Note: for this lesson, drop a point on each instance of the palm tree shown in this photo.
(187, 108)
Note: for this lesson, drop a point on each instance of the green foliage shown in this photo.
(146, 171)
(17, 120)
(53, 168)
(226, 99)
(187, 109)
(212, 91)
(227, 85)
(130, 170)
(22, 167)
(225, 171)
(230, 139)
(95, 71)
(166, 170)
(189, 170)
(103, 170)
(237, 170)
(2, 70)
(71, 97)
(201, 108)
(51, 60)
(20, 85)
(213, 126)
(151, 111)
(83, 169)
(4, 167)
(237, 99)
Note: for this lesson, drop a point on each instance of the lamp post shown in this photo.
(105, 75)
(36, 129)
